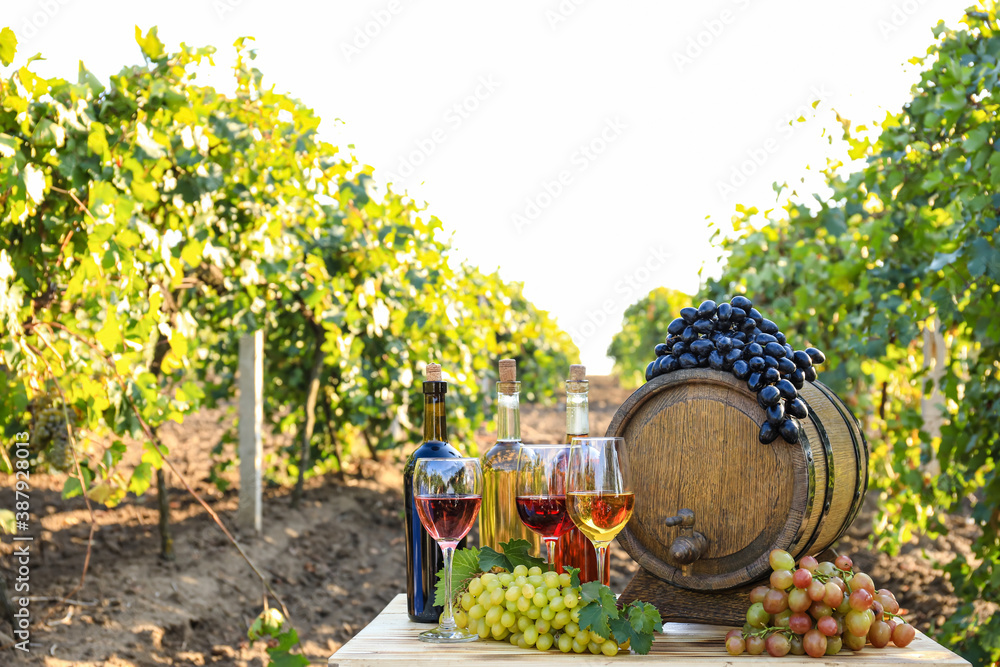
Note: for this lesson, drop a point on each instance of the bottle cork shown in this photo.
(508, 370)
(577, 372)
(433, 372)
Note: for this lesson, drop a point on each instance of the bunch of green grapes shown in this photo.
(49, 432)
(529, 608)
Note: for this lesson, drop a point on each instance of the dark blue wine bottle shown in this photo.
(423, 555)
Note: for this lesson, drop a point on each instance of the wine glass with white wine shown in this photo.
(599, 495)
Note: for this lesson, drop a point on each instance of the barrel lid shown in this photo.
(695, 433)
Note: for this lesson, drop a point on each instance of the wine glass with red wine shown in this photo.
(541, 492)
(599, 496)
(448, 493)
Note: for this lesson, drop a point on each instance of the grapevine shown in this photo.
(508, 596)
(818, 609)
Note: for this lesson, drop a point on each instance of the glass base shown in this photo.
(441, 635)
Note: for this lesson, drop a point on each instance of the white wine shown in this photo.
(498, 519)
(599, 515)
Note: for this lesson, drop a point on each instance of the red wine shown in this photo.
(448, 518)
(546, 515)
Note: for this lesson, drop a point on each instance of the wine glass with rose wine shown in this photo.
(599, 495)
(448, 495)
(541, 493)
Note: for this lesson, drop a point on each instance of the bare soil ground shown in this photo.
(336, 561)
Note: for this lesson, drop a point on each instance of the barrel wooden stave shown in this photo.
(695, 432)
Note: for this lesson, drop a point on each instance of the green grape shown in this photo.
(497, 595)
(508, 619)
(551, 579)
(571, 600)
(528, 590)
(542, 625)
(511, 606)
(482, 629)
(523, 622)
(521, 643)
(609, 648)
(561, 619)
(506, 578)
(461, 619)
(565, 579)
(540, 600)
(488, 577)
(571, 629)
(530, 635)
(558, 603)
(537, 580)
(523, 605)
(565, 643)
(520, 571)
(476, 587)
(467, 601)
(513, 593)
(534, 613)
(534, 570)
(552, 593)
(520, 580)
(578, 647)
(498, 631)
(544, 642)
(492, 585)
(515, 638)
(548, 614)
(594, 647)
(574, 615)
(493, 615)
(484, 600)
(477, 612)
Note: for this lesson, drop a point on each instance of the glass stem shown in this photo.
(602, 554)
(448, 621)
(551, 546)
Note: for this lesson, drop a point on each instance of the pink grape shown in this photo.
(903, 634)
(808, 563)
(814, 642)
(802, 578)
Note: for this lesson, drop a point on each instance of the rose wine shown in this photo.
(546, 515)
(574, 549)
(423, 555)
(498, 520)
(448, 518)
(598, 514)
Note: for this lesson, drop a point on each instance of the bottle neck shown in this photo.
(435, 423)
(508, 411)
(577, 408)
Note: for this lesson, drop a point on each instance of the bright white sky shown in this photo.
(486, 111)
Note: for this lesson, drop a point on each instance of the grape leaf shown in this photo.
(574, 575)
(623, 631)
(490, 558)
(644, 617)
(596, 591)
(518, 552)
(593, 617)
(464, 566)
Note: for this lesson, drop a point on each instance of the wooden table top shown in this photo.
(391, 641)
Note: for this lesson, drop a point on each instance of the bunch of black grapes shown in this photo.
(735, 337)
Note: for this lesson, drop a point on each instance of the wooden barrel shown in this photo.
(692, 436)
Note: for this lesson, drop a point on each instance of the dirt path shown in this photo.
(336, 562)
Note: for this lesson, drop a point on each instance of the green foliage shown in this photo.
(512, 554)
(908, 243)
(147, 222)
(281, 638)
(643, 327)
